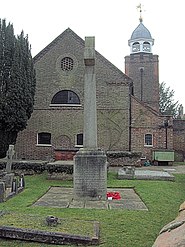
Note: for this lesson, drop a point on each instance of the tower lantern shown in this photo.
(141, 39)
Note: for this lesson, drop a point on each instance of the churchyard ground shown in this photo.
(118, 227)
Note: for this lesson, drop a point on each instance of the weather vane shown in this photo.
(139, 7)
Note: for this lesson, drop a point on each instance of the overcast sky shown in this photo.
(112, 23)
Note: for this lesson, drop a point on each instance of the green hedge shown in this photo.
(58, 168)
(121, 154)
(31, 167)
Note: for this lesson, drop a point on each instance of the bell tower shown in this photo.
(142, 65)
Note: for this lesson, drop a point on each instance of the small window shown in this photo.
(65, 97)
(44, 138)
(67, 64)
(148, 140)
(79, 140)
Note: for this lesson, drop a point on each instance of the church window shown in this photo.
(146, 46)
(65, 97)
(136, 47)
(67, 64)
(44, 138)
(148, 140)
(79, 139)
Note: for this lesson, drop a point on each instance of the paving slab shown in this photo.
(52, 203)
(61, 197)
(97, 204)
(77, 204)
(146, 175)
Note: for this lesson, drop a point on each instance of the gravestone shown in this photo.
(90, 168)
(129, 171)
(10, 185)
(2, 192)
(10, 153)
(124, 173)
(8, 173)
(14, 186)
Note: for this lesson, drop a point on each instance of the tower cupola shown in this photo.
(141, 40)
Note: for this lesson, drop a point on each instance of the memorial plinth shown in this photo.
(90, 180)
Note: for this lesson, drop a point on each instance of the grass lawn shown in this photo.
(178, 163)
(118, 228)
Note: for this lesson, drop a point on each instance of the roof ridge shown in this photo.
(52, 43)
(147, 106)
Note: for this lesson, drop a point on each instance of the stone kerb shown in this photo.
(130, 172)
(51, 235)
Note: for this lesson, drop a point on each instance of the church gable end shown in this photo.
(60, 96)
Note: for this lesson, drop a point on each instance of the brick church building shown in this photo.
(128, 117)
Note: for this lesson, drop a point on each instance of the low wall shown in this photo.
(65, 154)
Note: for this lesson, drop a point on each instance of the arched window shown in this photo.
(44, 138)
(146, 46)
(148, 140)
(136, 47)
(65, 97)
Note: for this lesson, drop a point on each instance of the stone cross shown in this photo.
(9, 154)
(90, 116)
(90, 168)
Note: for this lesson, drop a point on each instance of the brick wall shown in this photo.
(65, 122)
(146, 86)
(147, 121)
(179, 139)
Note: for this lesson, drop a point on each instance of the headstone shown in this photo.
(14, 186)
(90, 168)
(21, 181)
(8, 178)
(9, 154)
(130, 170)
(2, 192)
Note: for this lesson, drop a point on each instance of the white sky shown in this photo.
(112, 23)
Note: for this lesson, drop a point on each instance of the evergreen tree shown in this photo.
(17, 85)
(167, 105)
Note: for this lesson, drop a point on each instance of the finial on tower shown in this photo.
(139, 7)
